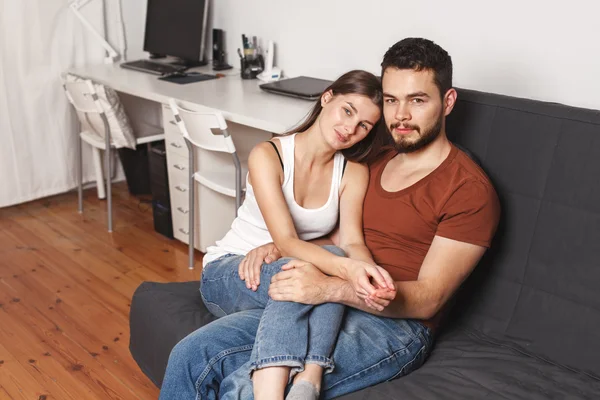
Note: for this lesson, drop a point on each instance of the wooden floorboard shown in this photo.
(65, 293)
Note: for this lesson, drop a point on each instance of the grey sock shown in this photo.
(303, 390)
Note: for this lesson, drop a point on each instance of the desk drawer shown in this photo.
(170, 125)
(179, 190)
(169, 119)
(178, 167)
(175, 143)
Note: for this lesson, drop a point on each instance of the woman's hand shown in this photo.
(359, 274)
(380, 299)
(249, 268)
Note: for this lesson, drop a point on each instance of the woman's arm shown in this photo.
(266, 179)
(352, 196)
(360, 266)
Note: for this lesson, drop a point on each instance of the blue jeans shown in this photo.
(215, 361)
(289, 334)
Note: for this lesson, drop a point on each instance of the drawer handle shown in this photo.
(173, 123)
(184, 231)
(181, 189)
(176, 145)
(181, 210)
(179, 167)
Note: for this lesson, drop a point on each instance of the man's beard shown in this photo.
(405, 146)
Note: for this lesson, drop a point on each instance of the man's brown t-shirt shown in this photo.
(456, 201)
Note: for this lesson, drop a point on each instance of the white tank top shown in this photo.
(249, 230)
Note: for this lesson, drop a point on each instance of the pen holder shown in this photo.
(250, 68)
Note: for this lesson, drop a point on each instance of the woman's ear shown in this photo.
(326, 97)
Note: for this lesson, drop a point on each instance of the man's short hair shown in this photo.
(421, 54)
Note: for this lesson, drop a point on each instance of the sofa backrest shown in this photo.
(538, 287)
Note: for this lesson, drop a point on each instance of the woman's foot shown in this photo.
(303, 390)
(307, 384)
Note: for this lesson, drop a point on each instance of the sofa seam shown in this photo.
(478, 335)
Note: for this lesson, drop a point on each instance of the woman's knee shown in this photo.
(223, 267)
(275, 266)
(335, 250)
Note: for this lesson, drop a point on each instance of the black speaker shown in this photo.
(219, 63)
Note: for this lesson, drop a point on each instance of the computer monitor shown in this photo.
(177, 28)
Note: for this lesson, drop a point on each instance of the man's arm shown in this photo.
(446, 266)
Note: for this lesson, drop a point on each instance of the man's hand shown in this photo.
(249, 268)
(300, 282)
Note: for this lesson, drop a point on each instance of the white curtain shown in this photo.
(39, 40)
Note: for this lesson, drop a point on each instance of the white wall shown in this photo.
(525, 48)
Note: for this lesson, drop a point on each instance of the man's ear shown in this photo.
(326, 97)
(449, 101)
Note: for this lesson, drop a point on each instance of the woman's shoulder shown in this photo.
(265, 150)
(354, 173)
(264, 160)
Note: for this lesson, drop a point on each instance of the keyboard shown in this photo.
(152, 67)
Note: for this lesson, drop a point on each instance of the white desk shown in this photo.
(255, 115)
(240, 100)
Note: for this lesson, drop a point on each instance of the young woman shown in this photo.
(299, 187)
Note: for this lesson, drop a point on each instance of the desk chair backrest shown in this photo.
(84, 98)
(197, 126)
(105, 102)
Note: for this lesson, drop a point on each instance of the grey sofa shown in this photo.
(526, 324)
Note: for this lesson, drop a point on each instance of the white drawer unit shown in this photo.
(178, 171)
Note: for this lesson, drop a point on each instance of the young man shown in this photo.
(429, 214)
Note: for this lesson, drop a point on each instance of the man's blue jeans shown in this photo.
(215, 361)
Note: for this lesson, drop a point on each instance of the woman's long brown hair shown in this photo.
(354, 82)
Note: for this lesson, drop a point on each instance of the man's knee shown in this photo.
(180, 358)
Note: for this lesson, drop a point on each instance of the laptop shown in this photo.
(303, 87)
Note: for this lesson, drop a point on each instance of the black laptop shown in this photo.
(303, 87)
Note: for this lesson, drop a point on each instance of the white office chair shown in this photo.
(96, 132)
(217, 175)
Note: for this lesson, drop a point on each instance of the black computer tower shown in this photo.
(134, 164)
(159, 186)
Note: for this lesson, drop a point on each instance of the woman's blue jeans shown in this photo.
(289, 334)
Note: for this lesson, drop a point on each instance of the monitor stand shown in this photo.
(188, 63)
(154, 56)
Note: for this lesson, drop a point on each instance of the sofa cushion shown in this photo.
(161, 315)
(537, 286)
(468, 365)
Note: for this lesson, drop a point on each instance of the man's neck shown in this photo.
(406, 169)
(429, 157)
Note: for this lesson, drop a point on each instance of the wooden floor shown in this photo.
(65, 292)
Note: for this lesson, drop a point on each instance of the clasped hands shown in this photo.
(302, 282)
